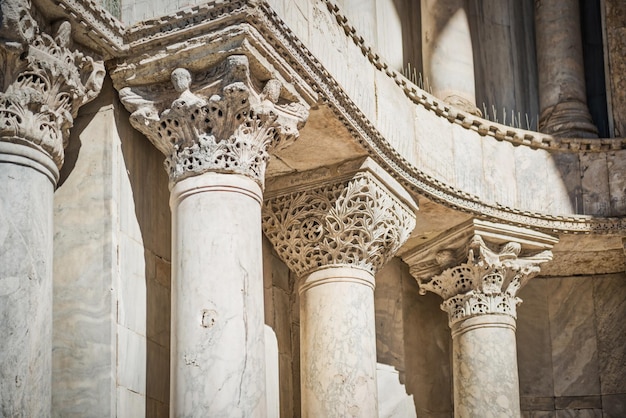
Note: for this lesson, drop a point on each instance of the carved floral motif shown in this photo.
(354, 223)
(226, 126)
(487, 283)
(44, 82)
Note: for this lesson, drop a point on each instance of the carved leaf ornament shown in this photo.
(487, 283)
(44, 82)
(230, 131)
(353, 223)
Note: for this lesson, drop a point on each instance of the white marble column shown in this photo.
(44, 84)
(216, 142)
(562, 95)
(447, 55)
(335, 234)
(479, 287)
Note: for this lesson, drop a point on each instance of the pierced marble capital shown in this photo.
(487, 283)
(219, 120)
(355, 221)
(44, 81)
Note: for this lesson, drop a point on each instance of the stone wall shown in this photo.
(571, 342)
(111, 271)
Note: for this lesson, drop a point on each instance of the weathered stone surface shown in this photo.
(615, 15)
(25, 283)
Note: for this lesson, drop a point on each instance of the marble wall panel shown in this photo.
(572, 328)
(130, 404)
(614, 406)
(327, 41)
(609, 294)
(499, 181)
(85, 271)
(616, 163)
(296, 14)
(468, 160)
(395, 116)
(428, 347)
(578, 413)
(360, 81)
(595, 184)
(568, 166)
(434, 150)
(389, 320)
(531, 165)
(278, 288)
(159, 378)
(389, 32)
(533, 346)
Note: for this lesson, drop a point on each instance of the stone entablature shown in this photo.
(471, 277)
(44, 81)
(225, 125)
(261, 31)
(359, 219)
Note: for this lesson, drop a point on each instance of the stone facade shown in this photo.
(311, 208)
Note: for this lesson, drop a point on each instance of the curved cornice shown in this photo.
(259, 14)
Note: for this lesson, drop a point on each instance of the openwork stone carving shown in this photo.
(355, 222)
(44, 82)
(487, 283)
(224, 126)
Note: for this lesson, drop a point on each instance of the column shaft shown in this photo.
(447, 54)
(562, 95)
(27, 180)
(338, 344)
(218, 354)
(484, 356)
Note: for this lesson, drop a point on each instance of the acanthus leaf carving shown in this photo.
(355, 222)
(44, 82)
(487, 283)
(224, 125)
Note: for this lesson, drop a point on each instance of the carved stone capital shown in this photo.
(359, 219)
(219, 120)
(475, 278)
(44, 82)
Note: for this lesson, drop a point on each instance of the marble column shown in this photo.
(479, 286)
(562, 95)
(44, 84)
(447, 55)
(216, 141)
(335, 234)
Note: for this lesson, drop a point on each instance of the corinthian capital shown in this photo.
(359, 219)
(475, 278)
(44, 82)
(217, 121)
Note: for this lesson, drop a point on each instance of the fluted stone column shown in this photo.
(216, 141)
(479, 288)
(44, 82)
(447, 55)
(335, 234)
(562, 95)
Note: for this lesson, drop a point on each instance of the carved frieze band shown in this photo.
(44, 82)
(217, 121)
(487, 283)
(355, 222)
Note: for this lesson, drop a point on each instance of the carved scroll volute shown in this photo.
(216, 121)
(487, 283)
(44, 82)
